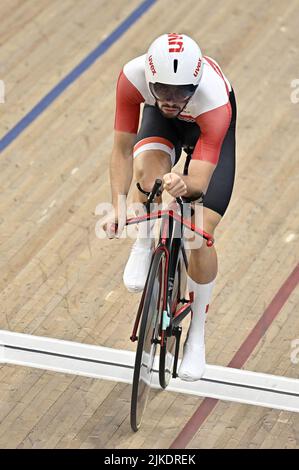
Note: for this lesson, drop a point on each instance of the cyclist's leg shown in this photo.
(203, 264)
(202, 271)
(156, 150)
(203, 261)
(150, 163)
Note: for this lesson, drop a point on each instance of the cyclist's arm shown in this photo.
(121, 164)
(213, 126)
(198, 178)
(127, 112)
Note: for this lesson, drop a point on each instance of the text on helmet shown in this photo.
(151, 64)
(175, 42)
(196, 71)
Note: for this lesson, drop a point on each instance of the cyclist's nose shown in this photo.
(170, 102)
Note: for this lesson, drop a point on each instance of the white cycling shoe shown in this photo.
(193, 364)
(138, 264)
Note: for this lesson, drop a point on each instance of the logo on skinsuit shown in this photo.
(175, 42)
(151, 64)
(186, 118)
(196, 72)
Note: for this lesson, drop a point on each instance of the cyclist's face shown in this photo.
(171, 99)
(171, 109)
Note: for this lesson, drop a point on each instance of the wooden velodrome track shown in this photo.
(58, 280)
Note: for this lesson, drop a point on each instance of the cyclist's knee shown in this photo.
(208, 220)
(145, 180)
(149, 166)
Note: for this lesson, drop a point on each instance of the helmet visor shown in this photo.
(176, 93)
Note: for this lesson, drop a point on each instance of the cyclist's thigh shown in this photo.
(157, 142)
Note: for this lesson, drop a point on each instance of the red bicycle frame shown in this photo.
(167, 214)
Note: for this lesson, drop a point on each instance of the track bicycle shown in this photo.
(163, 305)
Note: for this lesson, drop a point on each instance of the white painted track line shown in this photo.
(221, 383)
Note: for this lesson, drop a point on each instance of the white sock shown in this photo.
(193, 362)
(202, 296)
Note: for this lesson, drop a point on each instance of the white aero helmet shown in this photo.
(173, 67)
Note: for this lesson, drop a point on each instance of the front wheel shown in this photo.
(148, 338)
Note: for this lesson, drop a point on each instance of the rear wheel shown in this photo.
(148, 338)
(171, 337)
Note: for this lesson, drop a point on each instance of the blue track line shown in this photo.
(74, 74)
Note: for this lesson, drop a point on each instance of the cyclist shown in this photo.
(187, 101)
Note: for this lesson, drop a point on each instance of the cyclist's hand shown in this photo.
(111, 228)
(174, 185)
(114, 225)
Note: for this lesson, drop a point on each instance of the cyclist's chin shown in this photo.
(170, 112)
